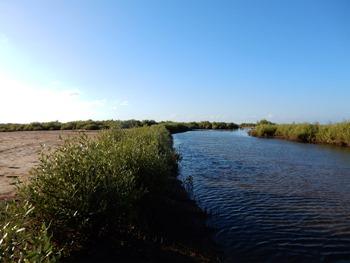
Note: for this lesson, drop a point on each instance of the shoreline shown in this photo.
(337, 134)
(339, 145)
(179, 232)
(189, 239)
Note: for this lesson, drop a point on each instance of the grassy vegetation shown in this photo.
(247, 125)
(74, 125)
(87, 194)
(336, 134)
(175, 127)
(126, 124)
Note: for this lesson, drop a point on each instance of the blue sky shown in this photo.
(177, 60)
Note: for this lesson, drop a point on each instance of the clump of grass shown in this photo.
(337, 134)
(304, 132)
(87, 189)
(264, 130)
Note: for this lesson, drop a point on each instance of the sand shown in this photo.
(19, 153)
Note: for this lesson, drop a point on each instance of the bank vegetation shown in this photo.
(335, 134)
(110, 198)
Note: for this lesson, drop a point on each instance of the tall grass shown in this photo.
(85, 190)
(264, 130)
(337, 134)
(247, 125)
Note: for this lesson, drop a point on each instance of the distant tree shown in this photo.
(35, 126)
(193, 125)
(130, 124)
(148, 122)
(247, 125)
(205, 125)
(232, 126)
(265, 122)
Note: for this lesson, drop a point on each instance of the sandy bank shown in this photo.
(19, 152)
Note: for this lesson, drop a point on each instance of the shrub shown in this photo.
(232, 126)
(265, 122)
(90, 188)
(205, 125)
(68, 126)
(175, 127)
(53, 125)
(34, 126)
(148, 122)
(22, 238)
(264, 130)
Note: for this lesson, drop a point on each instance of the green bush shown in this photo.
(90, 188)
(205, 125)
(68, 126)
(34, 126)
(53, 125)
(247, 125)
(22, 237)
(176, 127)
(265, 122)
(264, 130)
(148, 122)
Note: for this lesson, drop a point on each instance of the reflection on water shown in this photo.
(271, 200)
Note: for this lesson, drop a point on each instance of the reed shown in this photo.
(336, 134)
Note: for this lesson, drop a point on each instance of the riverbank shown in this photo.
(113, 197)
(333, 134)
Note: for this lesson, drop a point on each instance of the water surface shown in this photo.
(271, 200)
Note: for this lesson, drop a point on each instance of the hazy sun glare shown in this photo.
(22, 102)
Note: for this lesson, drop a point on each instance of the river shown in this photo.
(270, 200)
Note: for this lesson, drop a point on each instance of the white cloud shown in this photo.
(22, 102)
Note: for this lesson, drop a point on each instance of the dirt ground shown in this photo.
(19, 152)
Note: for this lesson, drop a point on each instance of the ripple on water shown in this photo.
(271, 200)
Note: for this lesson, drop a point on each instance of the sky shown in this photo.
(181, 60)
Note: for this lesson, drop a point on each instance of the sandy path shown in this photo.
(19, 152)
